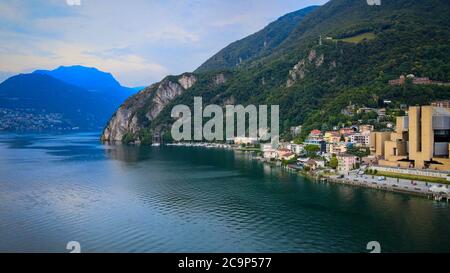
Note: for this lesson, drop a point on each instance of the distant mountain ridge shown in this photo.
(91, 79)
(38, 102)
(69, 97)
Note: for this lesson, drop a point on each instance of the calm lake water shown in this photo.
(60, 188)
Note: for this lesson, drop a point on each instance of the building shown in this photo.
(364, 110)
(369, 160)
(381, 113)
(336, 148)
(295, 148)
(314, 164)
(245, 140)
(346, 131)
(346, 162)
(315, 134)
(377, 142)
(362, 139)
(332, 137)
(319, 142)
(296, 130)
(348, 110)
(421, 140)
(415, 80)
(268, 151)
(441, 103)
(365, 128)
(285, 154)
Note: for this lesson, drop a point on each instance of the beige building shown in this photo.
(377, 141)
(421, 140)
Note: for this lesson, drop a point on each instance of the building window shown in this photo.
(441, 135)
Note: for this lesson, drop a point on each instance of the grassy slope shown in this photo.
(359, 38)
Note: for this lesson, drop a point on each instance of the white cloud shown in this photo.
(172, 33)
(62, 53)
(139, 41)
(73, 2)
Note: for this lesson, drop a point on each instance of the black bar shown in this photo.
(224, 262)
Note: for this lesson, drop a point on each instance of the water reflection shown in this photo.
(123, 198)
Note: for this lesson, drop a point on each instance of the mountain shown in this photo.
(259, 44)
(137, 89)
(41, 102)
(60, 99)
(342, 53)
(91, 79)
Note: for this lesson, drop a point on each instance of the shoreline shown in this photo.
(364, 182)
(378, 185)
(356, 181)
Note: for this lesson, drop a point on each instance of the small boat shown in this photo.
(156, 144)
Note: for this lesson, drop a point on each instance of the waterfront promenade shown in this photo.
(389, 184)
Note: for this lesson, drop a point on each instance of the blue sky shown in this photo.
(139, 41)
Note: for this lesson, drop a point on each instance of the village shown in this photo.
(411, 155)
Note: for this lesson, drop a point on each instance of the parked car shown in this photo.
(381, 178)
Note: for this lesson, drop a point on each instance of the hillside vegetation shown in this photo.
(313, 82)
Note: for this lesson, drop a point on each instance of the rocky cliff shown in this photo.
(140, 109)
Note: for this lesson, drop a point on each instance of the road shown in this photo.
(391, 183)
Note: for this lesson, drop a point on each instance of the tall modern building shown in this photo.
(421, 140)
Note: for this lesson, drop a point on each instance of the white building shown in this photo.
(245, 140)
(295, 148)
(268, 151)
(361, 138)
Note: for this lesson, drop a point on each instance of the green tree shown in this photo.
(128, 138)
(299, 140)
(311, 150)
(359, 152)
(333, 162)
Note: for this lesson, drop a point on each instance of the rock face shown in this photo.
(144, 107)
(125, 119)
(122, 121)
(219, 79)
(166, 92)
(187, 81)
(296, 73)
(300, 69)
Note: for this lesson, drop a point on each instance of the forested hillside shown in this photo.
(340, 53)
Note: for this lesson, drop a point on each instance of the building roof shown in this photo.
(311, 162)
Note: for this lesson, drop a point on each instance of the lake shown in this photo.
(69, 187)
